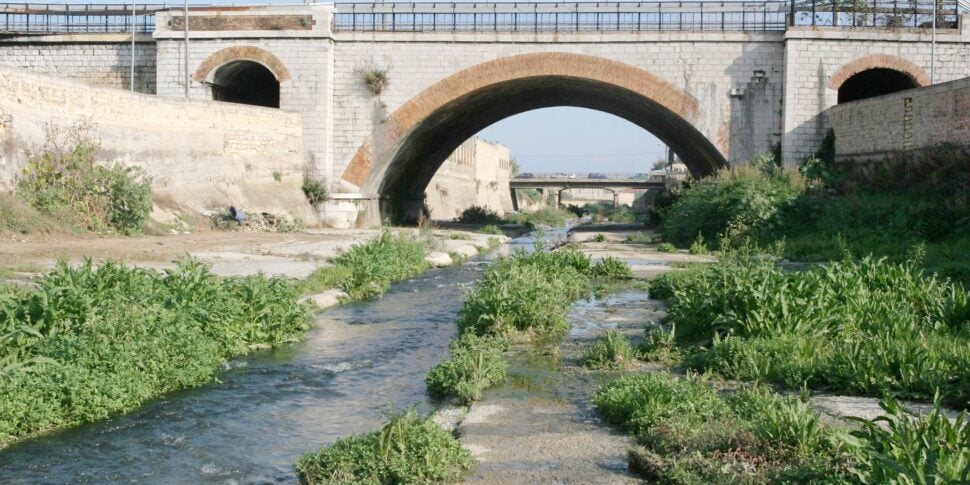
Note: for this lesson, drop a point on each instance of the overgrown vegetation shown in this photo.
(375, 78)
(611, 268)
(521, 297)
(882, 208)
(408, 449)
(887, 328)
(492, 229)
(687, 433)
(63, 180)
(368, 269)
(612, 351)
(91, 342)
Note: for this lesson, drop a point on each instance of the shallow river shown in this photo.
(359, 362)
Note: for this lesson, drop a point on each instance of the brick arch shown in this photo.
(377, 159)
(242, 53)
(878, 61)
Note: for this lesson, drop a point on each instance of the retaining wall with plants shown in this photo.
(200, 155)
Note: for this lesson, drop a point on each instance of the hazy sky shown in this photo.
(575, 140)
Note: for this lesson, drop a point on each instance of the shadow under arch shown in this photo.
(398, 161)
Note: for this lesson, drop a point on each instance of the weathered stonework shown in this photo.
(244, 22)
(904, 121)
(201, 155)
(242, 53)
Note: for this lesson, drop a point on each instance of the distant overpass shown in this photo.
(564, 183)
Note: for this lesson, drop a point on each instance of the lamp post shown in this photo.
(185, 24)
(933, 47)
(134, 21)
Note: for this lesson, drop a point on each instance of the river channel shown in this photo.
(360, 362)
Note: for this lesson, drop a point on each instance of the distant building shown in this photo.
(476, 173)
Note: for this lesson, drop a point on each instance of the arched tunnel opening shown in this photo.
(246, 82)
(874, 82)
(422, 151)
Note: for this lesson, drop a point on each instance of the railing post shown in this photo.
(835, 13)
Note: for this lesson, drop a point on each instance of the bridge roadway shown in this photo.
(563, 184)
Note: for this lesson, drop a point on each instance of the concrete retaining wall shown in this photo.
(201, 155)
(907, 120)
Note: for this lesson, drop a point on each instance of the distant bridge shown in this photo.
(562, 184)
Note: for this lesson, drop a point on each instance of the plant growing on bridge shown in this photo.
(314, 190)
(63, 179)
(375, 78)
(91, 342)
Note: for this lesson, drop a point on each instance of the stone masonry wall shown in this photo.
(476, 174)
(200, 155)
(308, 62)
(814, 62)
(907, 120)
(103, 61)
(704, 65)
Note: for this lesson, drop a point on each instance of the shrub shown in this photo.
(666, 247)
(611, 268)
(408, 449)
(63, 179)
(479, 215)
(612, 351)
(698, 247)
(375, 78)
(89, 343)
(598, 238)
(314, 190)
(475, 364)
(745, 197)
(549, 216)
(925, 449)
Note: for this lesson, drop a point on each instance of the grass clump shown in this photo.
(492, 229)
(475, 364)
(638, 238)
(548, 216)
(479, 215)
(527, 293)
(92, 342)
(408, 449)
(666, 247)
(866, 327)
(314, 190)
(612, 351)
(367, 270)
(687, 433)
(611, 268)
(63, 180)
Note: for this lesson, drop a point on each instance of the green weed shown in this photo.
(612, 351)
(92, 342)
(475, 364)
(492, 229)
(611, 268)
(408, 449)
(666, 247)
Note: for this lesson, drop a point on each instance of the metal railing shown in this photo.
(765, 15)
(33, 18)
(875, 13)
(561, 17)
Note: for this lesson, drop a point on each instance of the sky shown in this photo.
(567, 139)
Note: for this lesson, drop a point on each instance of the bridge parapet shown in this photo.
(525, 17)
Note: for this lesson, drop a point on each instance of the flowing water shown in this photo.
(359, 362)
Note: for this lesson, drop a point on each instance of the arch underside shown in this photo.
(425, 147)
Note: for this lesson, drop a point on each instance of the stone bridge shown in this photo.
(387, 91)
